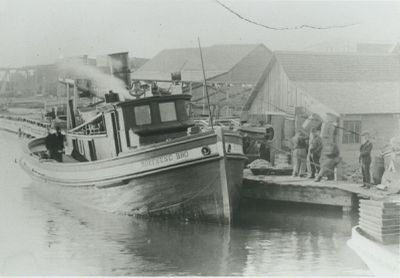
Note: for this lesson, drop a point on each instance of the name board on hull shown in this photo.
(165, 159)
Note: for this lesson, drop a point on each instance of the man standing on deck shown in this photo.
(299, 154)
(49, 143)
(365, 159)
(314, 152)
(58, 144)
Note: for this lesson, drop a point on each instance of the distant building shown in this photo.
(351, 46)
(363, 89)
(374, 47)
(42, 80)
(231, 72)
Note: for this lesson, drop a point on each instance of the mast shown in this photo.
(205, 86)
(70, 103)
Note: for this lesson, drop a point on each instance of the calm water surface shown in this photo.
(42, 237)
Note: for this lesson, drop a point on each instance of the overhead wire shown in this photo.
(303, 26)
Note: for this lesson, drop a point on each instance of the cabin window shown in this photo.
(142, 115)
(351, 132)
(168, 111)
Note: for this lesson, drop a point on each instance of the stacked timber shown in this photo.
(380, 220)
(282, 160)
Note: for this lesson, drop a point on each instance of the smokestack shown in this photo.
(119, 67)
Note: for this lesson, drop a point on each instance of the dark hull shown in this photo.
(206, 188)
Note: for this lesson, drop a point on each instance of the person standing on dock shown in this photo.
(314, 152)
(299, 154)
(365, 159)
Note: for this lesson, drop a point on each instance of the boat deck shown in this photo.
(69, 159)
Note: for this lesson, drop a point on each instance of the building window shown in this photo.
(142, 115)
(168, 111)
(351, 132)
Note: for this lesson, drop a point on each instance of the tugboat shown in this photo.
(144, 157)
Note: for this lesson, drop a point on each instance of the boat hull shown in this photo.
(195, 178)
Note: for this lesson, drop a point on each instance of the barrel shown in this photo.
(282, 160)
(340, 171)
(311, 122)
(378, 168)
(288, 131)
(329, 117)
(327, 130)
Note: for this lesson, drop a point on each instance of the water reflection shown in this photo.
(295, 239)
(40, 236)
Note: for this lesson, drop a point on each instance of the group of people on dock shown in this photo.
(307, 154)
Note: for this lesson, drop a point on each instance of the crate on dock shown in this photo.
(380, 220)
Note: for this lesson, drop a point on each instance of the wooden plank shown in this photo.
(379, 215)
(375, 210)
(383, 229)
(381, 204)
(386, 239)
(379, 220)
(325, 196)
(375, 214)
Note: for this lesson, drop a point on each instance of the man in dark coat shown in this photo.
(59, 144)
(49, 143)
(55, 144)
(365, 159)
(314, 152)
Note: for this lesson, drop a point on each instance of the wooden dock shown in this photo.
(304, 190)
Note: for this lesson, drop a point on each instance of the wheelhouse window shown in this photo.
(142, 115)
(168, 111)
(351, 132)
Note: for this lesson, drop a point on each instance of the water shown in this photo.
(39, 236)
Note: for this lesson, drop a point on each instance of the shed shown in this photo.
(231, 72)
(363, 89)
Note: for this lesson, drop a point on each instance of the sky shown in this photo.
(40, 31)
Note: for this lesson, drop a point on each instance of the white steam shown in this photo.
(102, 81)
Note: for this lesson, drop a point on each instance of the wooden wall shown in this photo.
(382, 127)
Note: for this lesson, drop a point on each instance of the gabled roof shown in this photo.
(218, 60)
(351, 67)
(356, 97)
(349, 83)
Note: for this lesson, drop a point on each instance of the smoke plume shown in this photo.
(103, 82)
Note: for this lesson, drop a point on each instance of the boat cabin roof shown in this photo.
(153, 99)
